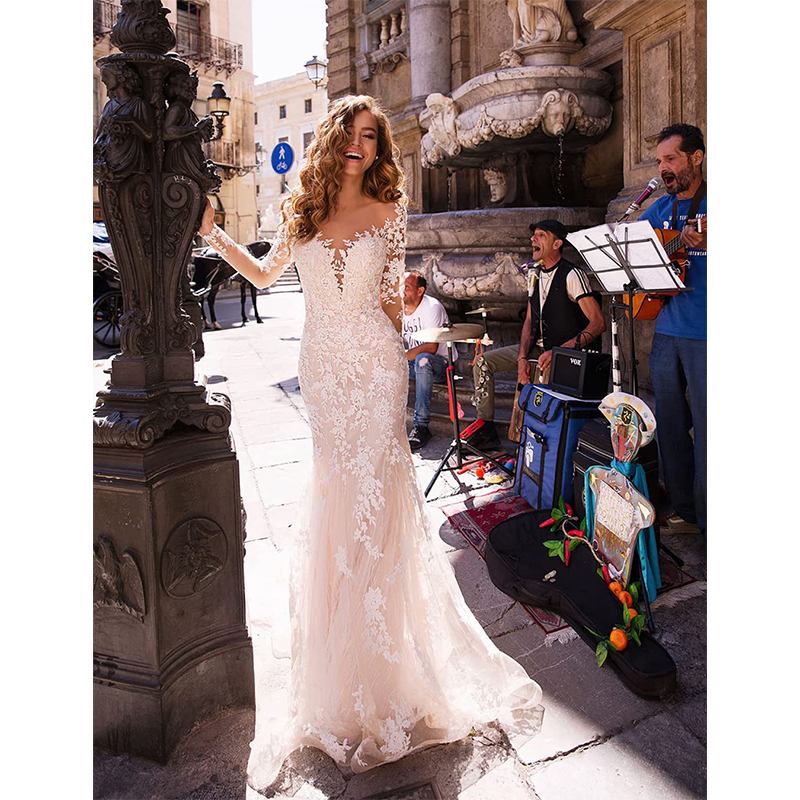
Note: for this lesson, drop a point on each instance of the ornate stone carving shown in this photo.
(117, 582)
(442, 137)
(510, 58)
(537, 21)
(497, 179)
(558, 112)
(389, 63)
(193, 556)
(499, 280)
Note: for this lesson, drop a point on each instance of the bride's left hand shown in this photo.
(207, 223)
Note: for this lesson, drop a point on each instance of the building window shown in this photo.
(307, 139)
(258, 189)
(282, 112)
(283, 139)
(308, 106)
(256, 119)
(189, 28)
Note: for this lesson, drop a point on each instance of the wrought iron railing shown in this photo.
(212, 52)
(105, 15)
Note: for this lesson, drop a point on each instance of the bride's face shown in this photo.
(362, 148)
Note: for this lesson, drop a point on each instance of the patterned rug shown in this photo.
(475, 516)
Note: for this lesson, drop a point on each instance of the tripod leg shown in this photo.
(481, 454)
(441, 466)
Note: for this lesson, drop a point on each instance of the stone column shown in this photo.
(429, 30)
(170, 641)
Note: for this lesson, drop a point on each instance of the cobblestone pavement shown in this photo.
(599, 740)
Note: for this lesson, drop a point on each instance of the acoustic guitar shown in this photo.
(647, 306)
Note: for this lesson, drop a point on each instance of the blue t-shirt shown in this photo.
(685, 314)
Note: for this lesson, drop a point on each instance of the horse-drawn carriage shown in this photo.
(106, 289)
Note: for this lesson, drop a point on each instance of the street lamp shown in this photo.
(316, 70)
(219, 106)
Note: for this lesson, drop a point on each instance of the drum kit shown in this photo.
(470, 333)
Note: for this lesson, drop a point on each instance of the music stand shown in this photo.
(627, 259)
(457, 446)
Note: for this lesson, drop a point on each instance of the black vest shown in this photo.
(562, 319)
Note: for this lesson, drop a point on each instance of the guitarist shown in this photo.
(678, 354)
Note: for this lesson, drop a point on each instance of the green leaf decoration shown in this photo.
(583, 524)
(601, 653)
(561, 505)
(634, 590)
(626, 615)
(594, 633)
(638, 623)
(558, 514)
(552, 543)
(600, 573)
(573, 543)
(554, 527)
(633, 635)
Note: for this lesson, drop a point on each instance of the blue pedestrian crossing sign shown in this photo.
(282, 157)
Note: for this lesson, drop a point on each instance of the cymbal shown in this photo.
(483, 310)
(460, 332)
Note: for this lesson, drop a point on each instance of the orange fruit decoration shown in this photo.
(625, 597)
(632, 612)
(615, 587)
(619, 639)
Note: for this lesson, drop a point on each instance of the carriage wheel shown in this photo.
(106, 312)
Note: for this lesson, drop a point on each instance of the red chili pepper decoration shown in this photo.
(566, 552)
(606, 574)
(569, 508)
(547, 522)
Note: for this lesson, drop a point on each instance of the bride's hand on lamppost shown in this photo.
(207, 223)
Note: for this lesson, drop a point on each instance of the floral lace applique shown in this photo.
(394, 730)
(378, 636)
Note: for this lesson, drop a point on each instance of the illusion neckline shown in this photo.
(348, 243)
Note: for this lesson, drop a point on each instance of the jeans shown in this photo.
(675, 365)
(425, 369)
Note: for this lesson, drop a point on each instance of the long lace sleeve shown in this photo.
(260, 272)
(394, 271)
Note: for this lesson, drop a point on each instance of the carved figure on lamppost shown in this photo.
(184, 132)
(125, 125)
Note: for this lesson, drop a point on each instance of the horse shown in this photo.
(211, 272)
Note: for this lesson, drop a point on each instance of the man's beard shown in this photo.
(683, 179)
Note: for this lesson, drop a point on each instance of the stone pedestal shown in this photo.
(170, 640)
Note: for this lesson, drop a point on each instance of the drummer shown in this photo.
(427, 361)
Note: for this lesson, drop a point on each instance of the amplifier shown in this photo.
(580, 373)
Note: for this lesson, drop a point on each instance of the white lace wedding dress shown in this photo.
(386, 656)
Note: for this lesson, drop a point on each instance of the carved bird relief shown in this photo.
(117, 582)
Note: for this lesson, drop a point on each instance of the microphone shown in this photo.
(637, 203)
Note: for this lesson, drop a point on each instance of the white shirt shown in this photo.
(430, 313)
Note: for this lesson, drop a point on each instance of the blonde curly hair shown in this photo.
(312, 202)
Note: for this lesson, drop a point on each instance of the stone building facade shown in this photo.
(286, 110)
(505, 110)
(215, 37)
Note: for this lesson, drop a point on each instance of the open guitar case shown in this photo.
(517, 562)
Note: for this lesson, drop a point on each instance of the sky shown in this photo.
(286, 34)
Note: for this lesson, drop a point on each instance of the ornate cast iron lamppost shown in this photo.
(171, 644)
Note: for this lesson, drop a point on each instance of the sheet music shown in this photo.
(643, 253)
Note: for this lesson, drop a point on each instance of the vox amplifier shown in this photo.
(580, 373)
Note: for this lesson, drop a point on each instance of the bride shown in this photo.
(386, 656)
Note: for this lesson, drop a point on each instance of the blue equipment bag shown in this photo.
(550, 427)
